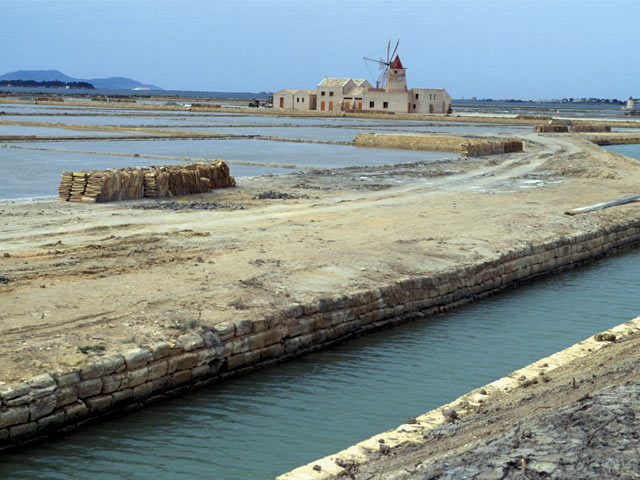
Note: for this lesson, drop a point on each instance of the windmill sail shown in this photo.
(384, 65)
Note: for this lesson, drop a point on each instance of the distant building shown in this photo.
(630, 104)
(295, 99)
(356, 94)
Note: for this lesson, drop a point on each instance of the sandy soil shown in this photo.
(112, 276)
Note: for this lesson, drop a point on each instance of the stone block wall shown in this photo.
(551, 128)
(490, 147)
(590, 127)
(466, 146)
(153, 182)
(49, 404)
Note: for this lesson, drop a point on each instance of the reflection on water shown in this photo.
(269, 422)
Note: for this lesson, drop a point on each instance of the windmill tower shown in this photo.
(396, 76)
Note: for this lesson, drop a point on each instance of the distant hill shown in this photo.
(117, 83)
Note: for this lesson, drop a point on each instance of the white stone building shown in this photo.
(355, 94)
(295, 99)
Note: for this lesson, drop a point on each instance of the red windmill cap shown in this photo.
(397, 64)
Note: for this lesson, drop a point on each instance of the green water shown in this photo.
(274, 420)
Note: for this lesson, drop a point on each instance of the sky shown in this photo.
(484, 48)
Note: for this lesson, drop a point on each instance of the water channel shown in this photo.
(269, 422)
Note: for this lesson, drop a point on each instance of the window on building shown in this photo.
(371, 104)
(385, 104)
(331, 94)
(416, 98)
(302, 99)
(322, 94)
(414, 106)
(298, 99)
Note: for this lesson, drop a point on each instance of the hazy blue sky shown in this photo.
(492, 48)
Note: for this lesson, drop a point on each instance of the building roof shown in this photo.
(361, 82)
(397, 64)
(333, 82)
(355, 92)
(296, 90)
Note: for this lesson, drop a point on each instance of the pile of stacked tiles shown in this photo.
(64, 189)
(151, 182)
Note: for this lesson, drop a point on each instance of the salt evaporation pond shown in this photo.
(34, 173)
(55, 132)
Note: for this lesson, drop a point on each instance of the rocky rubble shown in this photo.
(181, 206)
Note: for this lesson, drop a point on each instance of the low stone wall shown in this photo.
(560, 126)
(490, 147)
(466, 146)
(590, 127)
(551, 128)
(48, 404)
(613, 138)
(543, 118)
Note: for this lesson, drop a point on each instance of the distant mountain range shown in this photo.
(115, 83)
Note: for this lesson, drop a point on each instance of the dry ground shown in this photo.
(580, 421)
(112, 276)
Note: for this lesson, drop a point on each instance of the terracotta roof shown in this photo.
(397, 64)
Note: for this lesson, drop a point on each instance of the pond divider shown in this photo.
(465, 145)
(49, 404)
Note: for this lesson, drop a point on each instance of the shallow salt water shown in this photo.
(632, 150)
(32, 173)
(53, 131)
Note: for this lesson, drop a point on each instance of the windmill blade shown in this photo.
(382, 79)
(367, 66)
(395, 49)
(388, 47)
(381, 62)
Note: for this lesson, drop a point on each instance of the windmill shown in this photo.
(384, 65)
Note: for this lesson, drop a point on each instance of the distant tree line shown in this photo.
(45, 84)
